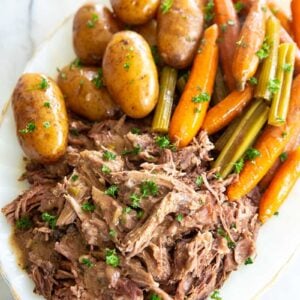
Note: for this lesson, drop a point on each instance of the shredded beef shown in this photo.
(133, 223)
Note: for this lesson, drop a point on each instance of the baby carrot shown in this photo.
(224, 112)
(245, 61)
(229, 26)
(295, 8)
(270, 145)
(191, 109)
(282, 183)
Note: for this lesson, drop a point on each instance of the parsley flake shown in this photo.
(43, 85)
(88, 207)
(163, 142)
(105, 169)
(274, 86)
(107, 155)
(46, 124)
(135, 130)
(98, 79)
(23, 223)
(216, 295)
(74, 177)
(287, 67)
(30, 127)
(136, 150)
(199, 180)
(264, 51)
(50, 219)
(148, 188)
(209, 11)
(224, 234)
(135, 200)
(248, 261)
(154, 297)
(76, 64)
(179, 218)
(140, 214)
(283, 157)
(112, 191)
(253, 81)
(239, 6)
(112, 233)
(47, 104)
(126, 65)
(238, 166)
(92, 22)
(202, 97)
(252, 153)
(87, 262)
(111, 258)
(127, 210)
(166, 6)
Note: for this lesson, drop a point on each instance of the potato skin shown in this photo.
(130, 74)
(135, 12)
(179, 32)
(45, 108)
(82, 96)
(90, 38)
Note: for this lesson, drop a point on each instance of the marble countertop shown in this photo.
(24, 25)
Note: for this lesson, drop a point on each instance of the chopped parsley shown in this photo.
(248, 261)
(224, 234)
(284, 134)
(92, 22)
(23, 223)
(223, 27)
(112, 191)
(253, 81)
(111, 258)
(74, 131)
(148, 188)
(166, 6)
(274, 86)
(74, 177)
(127, 210)
(218, 175)
(251, 154)
(135, 200)
(179, 218)
(46, 124)
(163, 142)
(238, 166)
(264, 51)
(216, 295)
(47, 104)
(43, 85)
(30, 127)
(139, 213)
(126, 65)
(98, 79)
(202, 97)
(135, 130)
(287, 67)
(61, 74)
(107, 155)
(231, 23)
(209, 11)
(88, 207)
(50, 219)
(154, 297)
(136, 150)
(239, 6)
(105, 169)
(76, 64)
(112, 233)
(283, 157)
(199, 180)
(87, 262)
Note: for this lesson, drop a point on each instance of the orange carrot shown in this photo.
(280, 186)
(295, 7)
(191, 109)
(225, 111)
(270, 144)
(245, 61)
(281, 16)
(229, 27)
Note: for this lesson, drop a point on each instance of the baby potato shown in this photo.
(41, 117)
(85, 94)
(135, 12)
(179, 32)
(93, 27)
(130, 74)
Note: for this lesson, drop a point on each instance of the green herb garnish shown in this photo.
(136, 150)
(47, 104)
(76, 64)
(163, 142)
(202, 97)
(154, 297)
(112, 233)
(135, 130)
(253, 81)
(74, 177)
(87, 262)
(283, 157)
(107, 155)
(127, 210)
(92, 22)
(46, 124)
(98, 79)
(112, 191)
(23, 223)
(105, 169)
(251, 154)
(135, 200)
(88, 207)
(166, 6)
(30, 127)
(126, 66)
(50, 219)
(249, 261)
(287, 67)
(111, 258)
(199, 180)
(224, 234)
(264, 51)
(148, 188)
(209, 11)
(179, 218)
(239, 6)
(216, 295)
(274, 86)
(43, 85)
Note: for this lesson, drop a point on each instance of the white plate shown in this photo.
(277, 240)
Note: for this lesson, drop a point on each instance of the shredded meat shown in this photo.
(130, 224)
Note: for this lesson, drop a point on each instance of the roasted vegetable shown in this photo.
(163, 110)
(229, 27)
(281, 185)
(269, 64)
(270, 144)
(130, 74)
(284, 75)
(220, 88)
(93, 28)
(246, 60)
(179, 32)
(191, 109)
(41, 118)
(295, 8)
(242, 138)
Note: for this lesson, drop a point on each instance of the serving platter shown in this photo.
(277, 241)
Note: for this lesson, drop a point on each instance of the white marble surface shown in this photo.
(24, 25)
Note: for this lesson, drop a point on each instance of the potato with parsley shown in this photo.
(135, 12)
(93, 27)
(84, 92)
(179, 29)
(130, 74)
(41, 118)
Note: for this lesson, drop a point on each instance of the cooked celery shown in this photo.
(220, 88)
(163, 110)
(285, 70)
(182, 80)
(243, 136)
(222, 140)
(269, 65)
